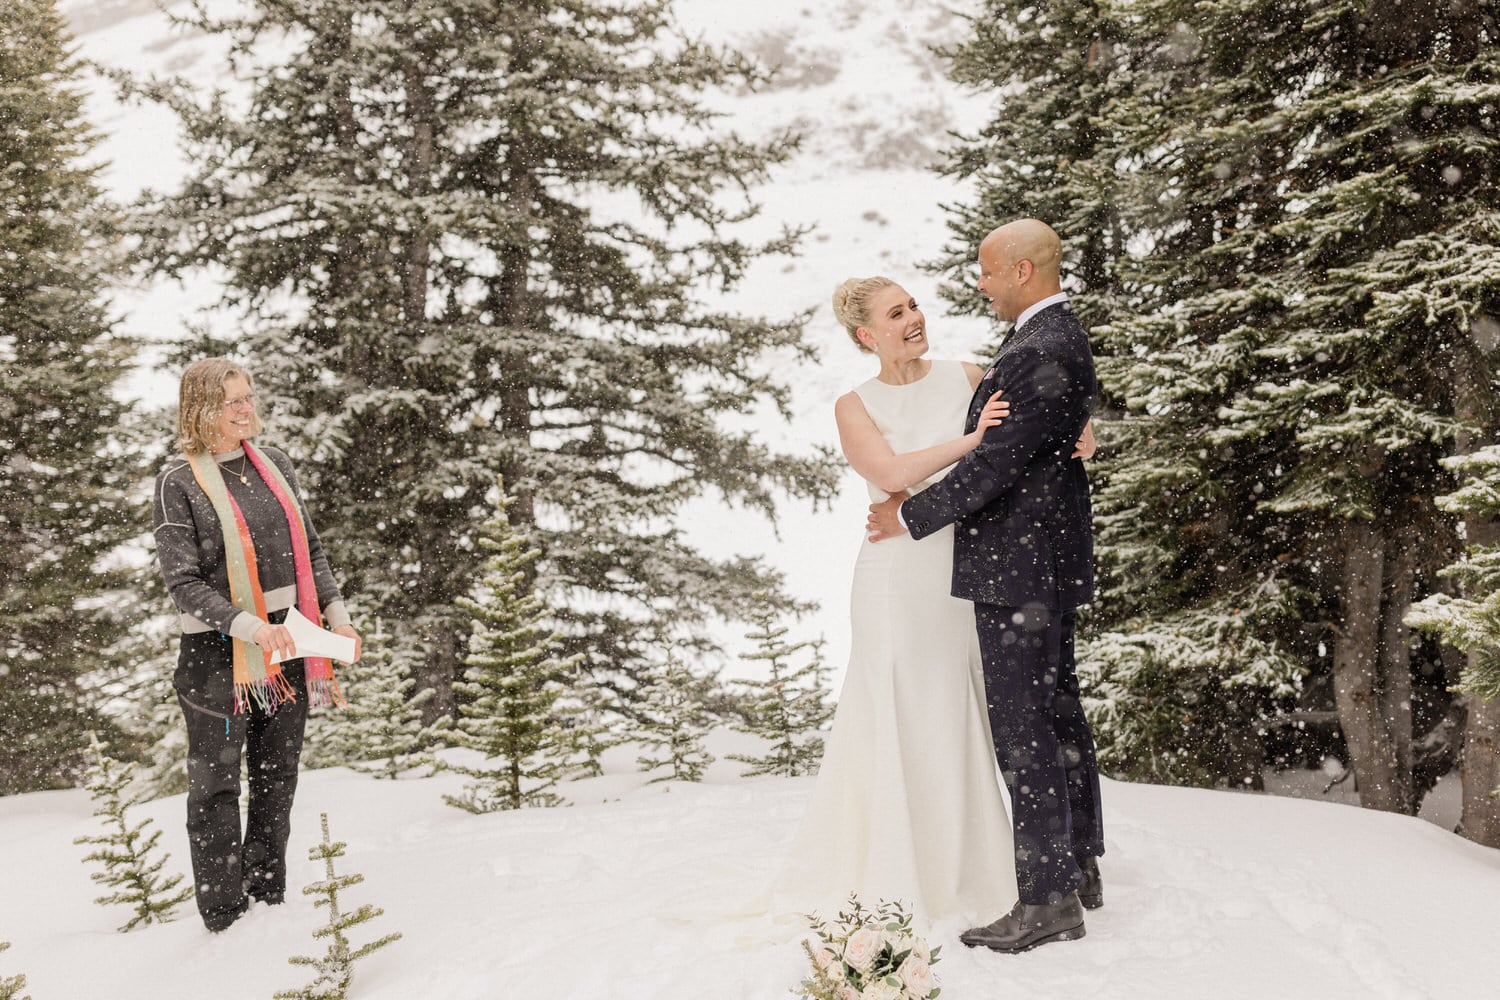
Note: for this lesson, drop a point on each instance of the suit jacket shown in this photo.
(1021, 504)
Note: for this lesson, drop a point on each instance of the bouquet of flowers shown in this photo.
(868, 955)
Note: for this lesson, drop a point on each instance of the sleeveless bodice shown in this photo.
(920, 414)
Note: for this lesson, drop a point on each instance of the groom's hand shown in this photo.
(883, 522)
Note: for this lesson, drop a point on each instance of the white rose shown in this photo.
(920, 950)
(847, 992)
(824, 957)
(861, 948)
(880, 990)
(916, 976)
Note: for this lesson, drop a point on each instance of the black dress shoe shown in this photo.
(219, 921)
(1028, 925)
(1091, 892)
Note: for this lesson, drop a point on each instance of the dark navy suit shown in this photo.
(1023, 553)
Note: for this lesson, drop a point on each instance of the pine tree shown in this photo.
(508, 696)
(1065, 76)
(1309, 220)
(11, 986)
(1301, 323)
(336, 968)
(150, 713)
(380, 731)
(673, 722)
(582, 710)
(67, 494)
(1169, 699)
(472, 238)
(789, 706)
(1469, 620)
(125, 852)
(1054, 68)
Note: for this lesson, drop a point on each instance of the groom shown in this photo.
(1023, 553)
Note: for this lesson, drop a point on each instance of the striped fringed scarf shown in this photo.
(255, 676)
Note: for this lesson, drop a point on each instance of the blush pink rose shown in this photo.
(861, 948)
(916, 976)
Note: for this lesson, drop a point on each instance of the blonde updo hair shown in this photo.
(200, 401)
(851, 304)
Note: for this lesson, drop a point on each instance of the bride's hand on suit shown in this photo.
(993, 415)
(883, 521)
(1086, 445)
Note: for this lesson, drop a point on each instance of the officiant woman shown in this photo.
(238, 549)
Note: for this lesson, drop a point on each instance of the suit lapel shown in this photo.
(1019, 335)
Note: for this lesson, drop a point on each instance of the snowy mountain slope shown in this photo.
(630, 894)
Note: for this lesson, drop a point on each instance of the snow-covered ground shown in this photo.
(628, 894)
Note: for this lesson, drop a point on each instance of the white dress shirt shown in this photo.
(1037, 307)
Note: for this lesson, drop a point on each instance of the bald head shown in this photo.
(1019, 265)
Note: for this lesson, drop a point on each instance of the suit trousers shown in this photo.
(1043, 744)
(226, 864)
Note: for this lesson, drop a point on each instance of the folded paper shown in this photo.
(313, 641)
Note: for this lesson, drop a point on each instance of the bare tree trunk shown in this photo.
(345, 275)
(1357, 686)
(441, 667)
(419, 181)
(513, 308)
(1393, 679)
(1480, 819)
(1480, 756)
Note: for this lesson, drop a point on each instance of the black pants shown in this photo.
(227, 865)
(1044, 745)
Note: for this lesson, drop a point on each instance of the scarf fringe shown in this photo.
(269, 694)
(325, 691)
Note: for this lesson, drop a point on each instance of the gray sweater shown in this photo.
(190, 547)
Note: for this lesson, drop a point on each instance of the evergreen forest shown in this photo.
(505, 395)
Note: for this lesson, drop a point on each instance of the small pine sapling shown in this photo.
(380, 732)
(11, 986)
(582, 710)
(508, 695)
(674, 722)
(336, 968)
(126, 851)
(789, 705)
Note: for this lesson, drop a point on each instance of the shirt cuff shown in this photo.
(244, 626)
(899, 518)
(335, 615)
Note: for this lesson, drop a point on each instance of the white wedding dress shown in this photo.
(908, 803)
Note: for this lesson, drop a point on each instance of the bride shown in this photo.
(908, 803)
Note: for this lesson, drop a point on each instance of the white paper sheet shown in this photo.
(314, 641)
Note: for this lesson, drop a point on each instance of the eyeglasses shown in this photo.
(246, 402)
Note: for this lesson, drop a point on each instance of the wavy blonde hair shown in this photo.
(200, 401)
(851, 304)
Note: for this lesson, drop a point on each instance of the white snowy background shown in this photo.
(630, 892)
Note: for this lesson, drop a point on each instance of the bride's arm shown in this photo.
(871, 457)
(1085, 446)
